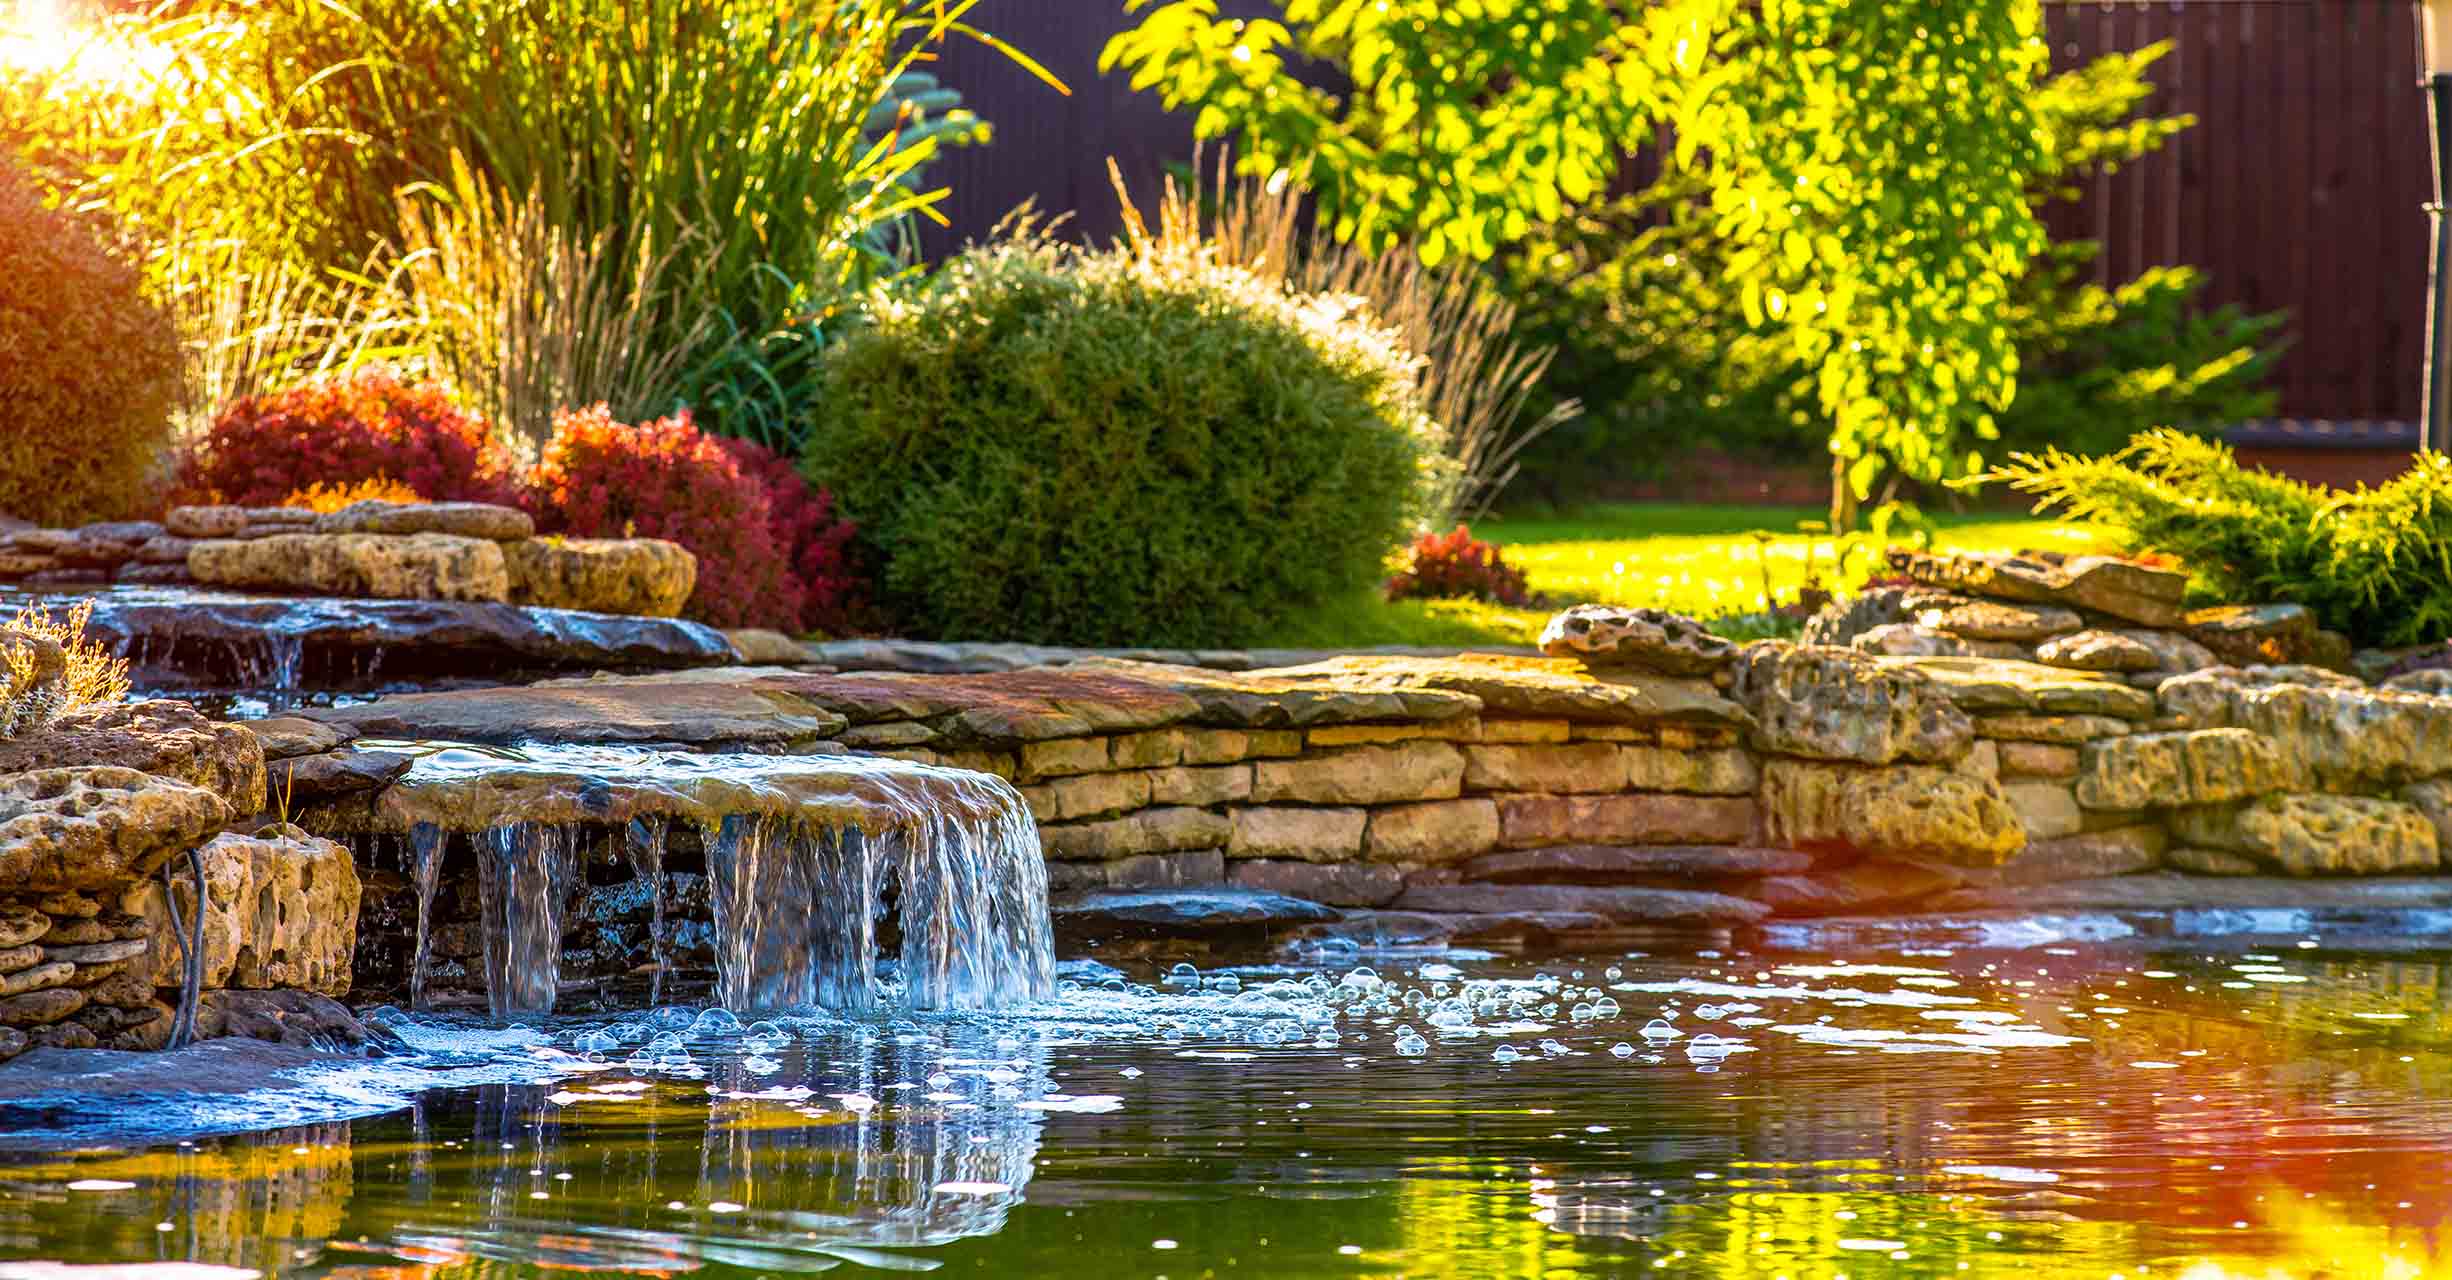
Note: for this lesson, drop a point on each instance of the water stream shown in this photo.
(809, 862)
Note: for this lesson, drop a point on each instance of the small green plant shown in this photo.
(1133, 445)
(2375, 563)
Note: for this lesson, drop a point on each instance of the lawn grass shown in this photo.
(1701, 560)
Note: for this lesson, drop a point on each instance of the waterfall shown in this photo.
(426, 866)
(807, 858)
(523, 875)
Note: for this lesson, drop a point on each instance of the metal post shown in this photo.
(2435, 431)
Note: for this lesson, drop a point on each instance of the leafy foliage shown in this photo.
(816, 542)
(365, 427)
(1441, 566)
(90, 367)
(323, 499)
(1865, 161)
(1135, 445)
(30, 698)
(599, 477)
(2375, 563)
(1657, 345)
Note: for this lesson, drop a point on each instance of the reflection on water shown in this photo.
(2062, 1111)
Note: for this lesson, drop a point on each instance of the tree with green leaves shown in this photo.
(1866, 162)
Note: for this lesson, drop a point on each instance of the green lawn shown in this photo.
(1701, 560)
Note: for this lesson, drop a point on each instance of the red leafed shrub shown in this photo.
(341, 432)
(816, 543)
(599, 478)
(1444, 565)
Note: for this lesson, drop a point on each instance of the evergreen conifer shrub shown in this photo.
(1130, 446)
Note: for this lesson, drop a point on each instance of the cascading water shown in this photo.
(426, 866)
(806, 859)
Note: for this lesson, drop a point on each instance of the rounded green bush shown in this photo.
(91, 369)
(1118, 447)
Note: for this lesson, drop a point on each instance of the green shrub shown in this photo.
(2375, 563)
(90, 367)
(1129, 446)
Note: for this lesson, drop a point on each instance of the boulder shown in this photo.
(1527, 822)
(1496, 685)
(163, 737)
(1619, 864)
(422, 566)
(1400, 773)
(1297, 833)
(1902, 811)
(1837, 704)
(1344, 884)
(97, 827)
(1981, 686)
(168, 549)
(308, 779)
(1910, 640)
(299, 1019)
(2306, 834)
(286, 736)
(1648, 639)
(2099, 651)
(1998, 620)
(40, 1008)
(1866, 886)
(459, 519)
(2171, 770)
(1615, 903)
(2124, 589)
(2433, 682)
(2330, 735)
(2249, 634)
(1440, 831)
(761, 647)
(2433, 800)
(106, 546)
(645, 576)
(2119, 851)
(281, 911)
(1171, 913)
(206, 522)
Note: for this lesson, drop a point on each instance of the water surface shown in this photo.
(2278, 1106)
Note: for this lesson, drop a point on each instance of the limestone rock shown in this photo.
(2098, 651)
(2346, 737)
(1998, 620)
(1901, 811)
(301, 1019)
(2062, 731)
(164, 737)
(2248, 634)
(1650, 639)
(2119, 851)
(2210, 698)
(2174, 652)
(1982, 686)
(281, 911)
(1188, 912)
(2212, 862)
(1910, 640)
(2433, 682)
(166, 550)
(2171, 770)
(1527, 822)
(1865, 886)
(459, 519)
(422, 566)
(2122, 588)
(2434, 800)
(21, 925)
(2047, 810)
(1300, 834)
(1563, 768)
(1344, 884)
(40, 1008)
(1723, 772)
(1621, 864)
(646, 576)
(13, 1042)
(309, 779)
(1441, 831)
(2306, 834)
(1173, 830)
(2037, 760)
(96, 827)
(762, 647)
(1200, 784)
(1836, 704)
(1501, 686)
(1401, 773)
(285, 736)
(1160, 870)
(108, 545)
(1616, 903)
(41, 976)
(205, 522)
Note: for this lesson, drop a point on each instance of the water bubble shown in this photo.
(1183, 974)
(1581, 1013)
(758, 1066)
(1613, 973)
(1410, 1044)
(1505, 1053)
(941, 1081)
(1226, 982)
(1362, 977)
(1659, 1029)
(1708, 1048)
(1710, 1012)
(633, 1032)
(390, 1016)
(600, 1040)
(715, 1022)
(1621, 1050)
(1604, 1008)
(765, 1037)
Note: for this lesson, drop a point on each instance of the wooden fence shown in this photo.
(2301, 188)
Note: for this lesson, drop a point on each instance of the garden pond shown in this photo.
(2229, 1094)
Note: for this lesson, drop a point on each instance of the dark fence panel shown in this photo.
(2301, 188)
